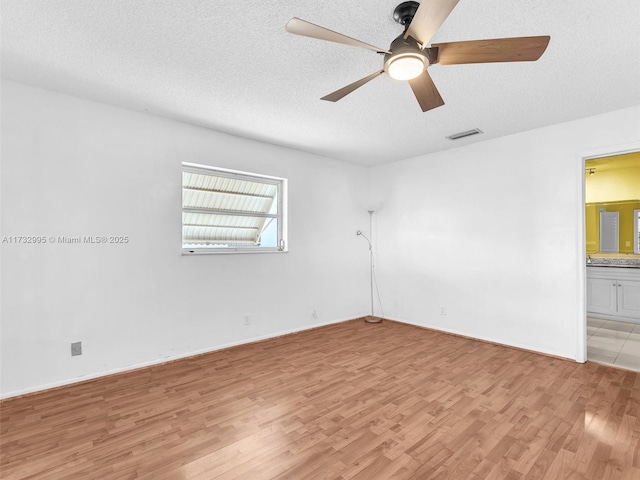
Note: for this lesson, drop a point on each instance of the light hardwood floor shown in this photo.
(347, 401)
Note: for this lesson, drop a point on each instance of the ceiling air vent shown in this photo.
(468, 133)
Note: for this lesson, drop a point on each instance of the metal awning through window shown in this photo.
(225, 209)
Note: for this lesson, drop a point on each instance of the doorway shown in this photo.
(611, 199)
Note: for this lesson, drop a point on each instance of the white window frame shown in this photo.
(280, 216)
(636, 231)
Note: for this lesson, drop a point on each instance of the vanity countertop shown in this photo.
(613, 260)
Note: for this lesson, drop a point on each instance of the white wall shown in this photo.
(491, 231)
(74, 167)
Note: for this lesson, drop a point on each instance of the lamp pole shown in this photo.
(371, 318)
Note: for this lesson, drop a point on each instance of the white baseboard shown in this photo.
(159, 361)
(616, 318)
(162, 360)
(529, 348)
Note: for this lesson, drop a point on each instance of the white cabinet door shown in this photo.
(601, 296)
(629, 298)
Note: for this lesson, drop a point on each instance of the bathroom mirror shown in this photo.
(612, 227)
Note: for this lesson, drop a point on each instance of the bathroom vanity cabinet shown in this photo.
(614, 292)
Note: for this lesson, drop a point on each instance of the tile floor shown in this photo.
(614, 343)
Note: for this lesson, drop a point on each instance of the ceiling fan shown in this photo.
(409, 55)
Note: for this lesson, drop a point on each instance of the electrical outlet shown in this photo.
(314, 313)
(247, 319)
(443, 310)
(76, 349)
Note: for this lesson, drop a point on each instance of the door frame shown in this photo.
(582, 158)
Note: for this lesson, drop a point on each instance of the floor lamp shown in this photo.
(370, 318)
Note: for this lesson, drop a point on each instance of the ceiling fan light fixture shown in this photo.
(411, 53)
(406, 66)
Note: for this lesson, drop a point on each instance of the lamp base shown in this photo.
(372, 319)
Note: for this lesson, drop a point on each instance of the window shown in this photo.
(225, 211)
(636, 230)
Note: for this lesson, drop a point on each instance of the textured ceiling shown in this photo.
(232, 67)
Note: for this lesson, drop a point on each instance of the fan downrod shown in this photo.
(404, 13)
